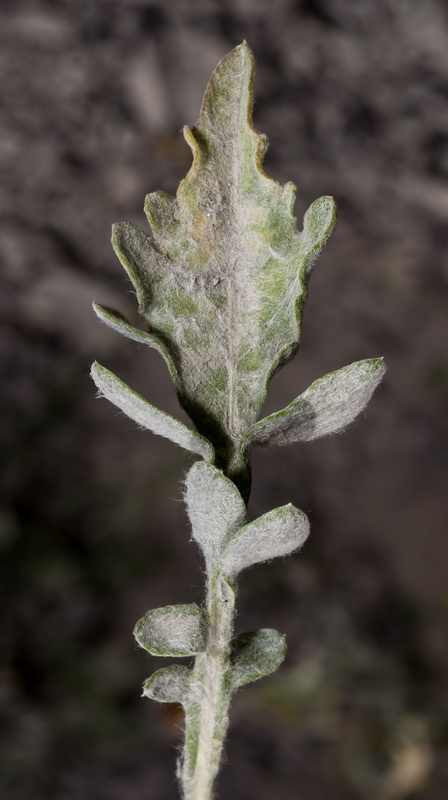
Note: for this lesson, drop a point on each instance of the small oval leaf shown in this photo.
(215, 508)
(327, 406)
(256, 654)
(277, 533)
(172, 630)
(169, 685)
(147, 415)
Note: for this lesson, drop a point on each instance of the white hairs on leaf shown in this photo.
(172, 630)
(256, 654)
(277, 533)
(147, 415)
(327, 406)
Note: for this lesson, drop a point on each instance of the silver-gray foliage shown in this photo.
(221, 284)
(169, 685)
(172, 631)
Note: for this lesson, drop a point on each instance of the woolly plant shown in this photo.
(221, 284)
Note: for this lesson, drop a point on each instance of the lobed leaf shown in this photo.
(169, 685)
(147, 415)
(256, 654)
(277, 533)
(327, 406)
(172, 630)
(215, 508)
(223, 279)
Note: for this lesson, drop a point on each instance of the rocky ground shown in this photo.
(354, 99)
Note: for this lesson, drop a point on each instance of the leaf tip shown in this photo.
(375, 369)
(102, 312)
(244, 49)
(95, 369)
(321, 216)
(379, 364)
(97, 373)
(114, 232)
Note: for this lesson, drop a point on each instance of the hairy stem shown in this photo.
(206, 716)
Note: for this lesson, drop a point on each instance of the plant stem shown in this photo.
(206, 715)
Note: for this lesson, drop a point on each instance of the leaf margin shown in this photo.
(111, 387)
(255, 435)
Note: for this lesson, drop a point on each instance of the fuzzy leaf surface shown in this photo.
(215, 508)
(169, 685)
(172, 630)
(222, 280)
(256, 654)
(147, 415)
(327, 406)
(277, 533)
(116, 321)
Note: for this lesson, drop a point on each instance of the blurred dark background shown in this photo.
(354, 99)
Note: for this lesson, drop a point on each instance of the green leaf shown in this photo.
(277, 533)
(256, 654)
(147, 415)
(215, 508)
(223, 279)
(327, 406)
(169, 685)
(172, 630)
(118, 323)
